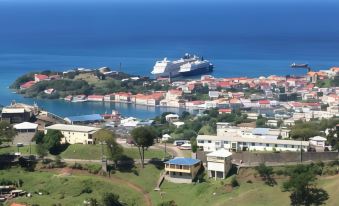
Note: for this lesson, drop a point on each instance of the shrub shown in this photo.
(234, 182)
(93, 168)
(86, 189)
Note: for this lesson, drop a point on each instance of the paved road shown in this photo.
(173, 150)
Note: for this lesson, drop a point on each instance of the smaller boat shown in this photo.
(295, 65)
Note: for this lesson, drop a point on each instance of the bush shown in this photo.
(77, 166)
(86, 189)
(234, 182)
(93, 168)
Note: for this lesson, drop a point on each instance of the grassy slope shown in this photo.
(66, 189)
(91, 152)
(94, 152)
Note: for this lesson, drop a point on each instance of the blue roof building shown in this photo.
(182, 170)
(84, 119)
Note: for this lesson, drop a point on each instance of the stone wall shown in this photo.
(279, 158)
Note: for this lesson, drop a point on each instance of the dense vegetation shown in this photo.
(86, 83)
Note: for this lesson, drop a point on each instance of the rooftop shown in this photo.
(182, 161)
(75, 128)
(84, 118)
(220, 153)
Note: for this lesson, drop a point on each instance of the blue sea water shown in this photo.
(241, 38)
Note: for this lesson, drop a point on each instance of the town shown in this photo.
(232, 133)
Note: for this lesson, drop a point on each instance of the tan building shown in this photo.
(182, 170)
(75, 134)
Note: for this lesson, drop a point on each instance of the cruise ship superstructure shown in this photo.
(196, 68)
(185, 66)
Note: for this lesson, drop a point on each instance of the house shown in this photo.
(178, 124)
(219, 163)
(75, 134)
(95, 98)
(27, 85)
(165, 137)
(213, 94)
(16, 114)
(109, 97)
(40, 77)
(317, 141)
(49, 91)
(272, 123)
(225, 111)
(122, 97)
(182, 170)
(172, 117)
(26, 127)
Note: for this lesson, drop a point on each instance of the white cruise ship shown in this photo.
(166, 68)
(196, 68)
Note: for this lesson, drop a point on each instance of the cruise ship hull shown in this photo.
(198, 71)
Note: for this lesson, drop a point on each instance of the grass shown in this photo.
(66, 190)
(24, 150)
(93, 152)
(146, 178)
(88, 152)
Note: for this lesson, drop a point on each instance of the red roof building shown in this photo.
(27, 85)
(40, 77)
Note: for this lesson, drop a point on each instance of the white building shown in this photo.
(219, 163)
(172, 117)
(74, 134)
(318, 141)
(245, 138)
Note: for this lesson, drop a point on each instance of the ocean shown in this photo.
(241, 38)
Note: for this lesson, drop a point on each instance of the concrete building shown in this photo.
(182, 170)
(219, 163)
(75, 134)
(26, 127)
(318, 141)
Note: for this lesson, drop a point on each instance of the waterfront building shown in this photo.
(75, 134)
(40, 77)
(182, 170)
(84, 119)
(95, 98)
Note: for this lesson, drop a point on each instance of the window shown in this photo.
(244, 143)
(209, 141)
(180, 173)
(275, 145)
(217, 143)
(225, 142)
(260, 144)
(253, 144)
(292, 146)
(200, 141)
(267, 145)
(285, 145)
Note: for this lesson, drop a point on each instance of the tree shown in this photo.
(266, 174)
(7, 132)
(39, 137)
(185, 115)
(110, 199)
(52, 141)
(41, 150)
(143, 138)
(303, 187)
(108, 137)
